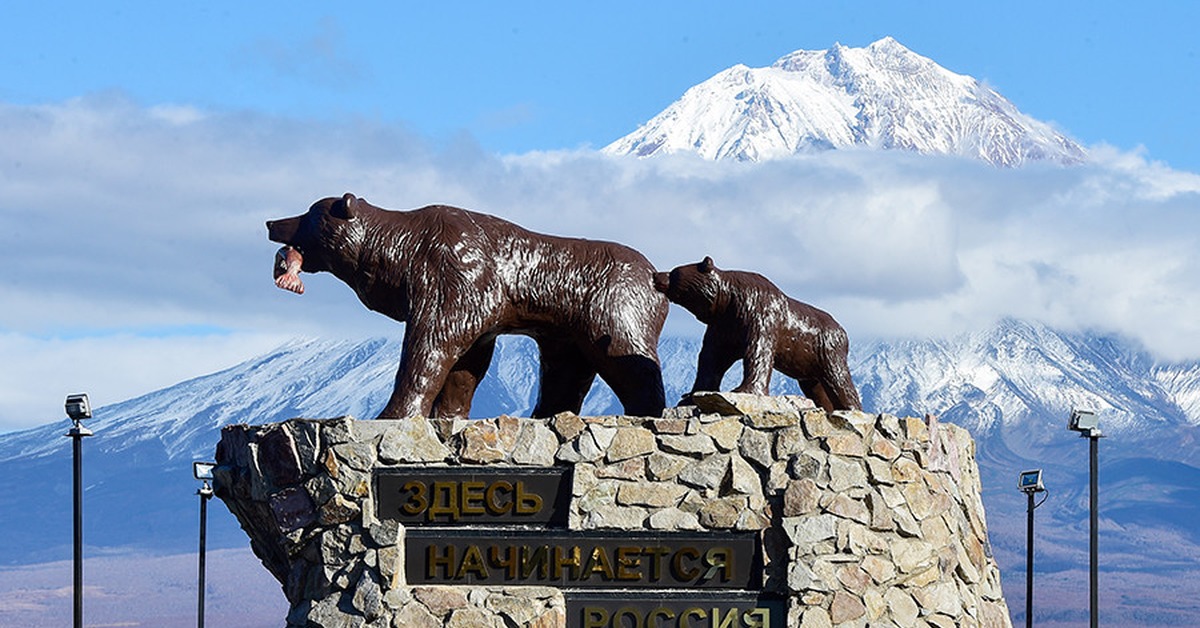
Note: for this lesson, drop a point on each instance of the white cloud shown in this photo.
(117, 219)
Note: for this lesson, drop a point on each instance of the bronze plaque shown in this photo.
(631, 609)
(420, 496)
(591, 559)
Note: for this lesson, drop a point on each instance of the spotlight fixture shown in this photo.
(203, 471)
(1030, 481)
(1085, 422)
(78, 408)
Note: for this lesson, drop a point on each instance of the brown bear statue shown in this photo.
(459, 278)
(750, 319)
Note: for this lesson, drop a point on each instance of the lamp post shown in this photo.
(1030, 483)
(202, 471)
(79, 410)
(1088, 425)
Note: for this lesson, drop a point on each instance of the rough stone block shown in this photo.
(656, 494)
(810, 529)
(629, 442)
(845, 607)
(709, 473)
(441, 600)
(292, 509)
(725, 432)
(664, 466)
(674, 519)
(736, 404)
(801, 497)
(719, 514)
(695, 445)
(567, 424)
(535, 444)
(412, 440)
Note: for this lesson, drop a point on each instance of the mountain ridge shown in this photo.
(1024, 368)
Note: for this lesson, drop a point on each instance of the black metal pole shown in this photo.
(1094, 439)
(1029, 564)
(76, 434)
(204, 493)
(77, 468)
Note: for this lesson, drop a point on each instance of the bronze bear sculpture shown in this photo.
(459, 278)
(751, 319)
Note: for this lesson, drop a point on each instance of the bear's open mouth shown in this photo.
(288, 261)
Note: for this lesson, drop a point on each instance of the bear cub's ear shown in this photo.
(344, 208)
(707, 265)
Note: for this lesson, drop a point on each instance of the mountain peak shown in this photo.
(889, 44)
(883, 96)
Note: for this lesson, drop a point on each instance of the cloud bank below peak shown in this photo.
(118, 217)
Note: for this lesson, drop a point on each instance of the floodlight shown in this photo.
(1031, 481)
(1084, 421)
(78, 407)
(203, 470)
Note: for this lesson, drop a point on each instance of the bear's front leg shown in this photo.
(717, 354)
(757, 365)
(425, 364)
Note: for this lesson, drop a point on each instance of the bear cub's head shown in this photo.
(696, 287)
(327, 235)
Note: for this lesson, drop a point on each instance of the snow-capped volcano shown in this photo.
(883, 96)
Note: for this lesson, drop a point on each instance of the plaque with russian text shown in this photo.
(668, 609)
(591, 559)
(458, 496)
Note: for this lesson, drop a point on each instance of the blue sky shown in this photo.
(146, 143)
(521, 76)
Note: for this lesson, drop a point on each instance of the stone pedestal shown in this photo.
(860, 519)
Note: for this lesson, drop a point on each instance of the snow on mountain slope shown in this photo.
(883, 96)
(1015, 375)
(1013, 386)
(1021, 380)
(1182, 383)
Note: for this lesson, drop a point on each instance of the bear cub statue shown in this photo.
(459, 278)
(752, 320)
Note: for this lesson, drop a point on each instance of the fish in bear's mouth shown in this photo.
(288, 260)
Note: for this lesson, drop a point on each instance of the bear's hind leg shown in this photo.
(835, 372)
(841, 391)
(566, 377)
(454, 402)
(816, 392)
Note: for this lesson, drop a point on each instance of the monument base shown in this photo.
(739, 511)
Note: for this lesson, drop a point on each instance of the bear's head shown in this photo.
(327, 236)
(696, 287)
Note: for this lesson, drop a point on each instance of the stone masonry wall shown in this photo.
(865, 520)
